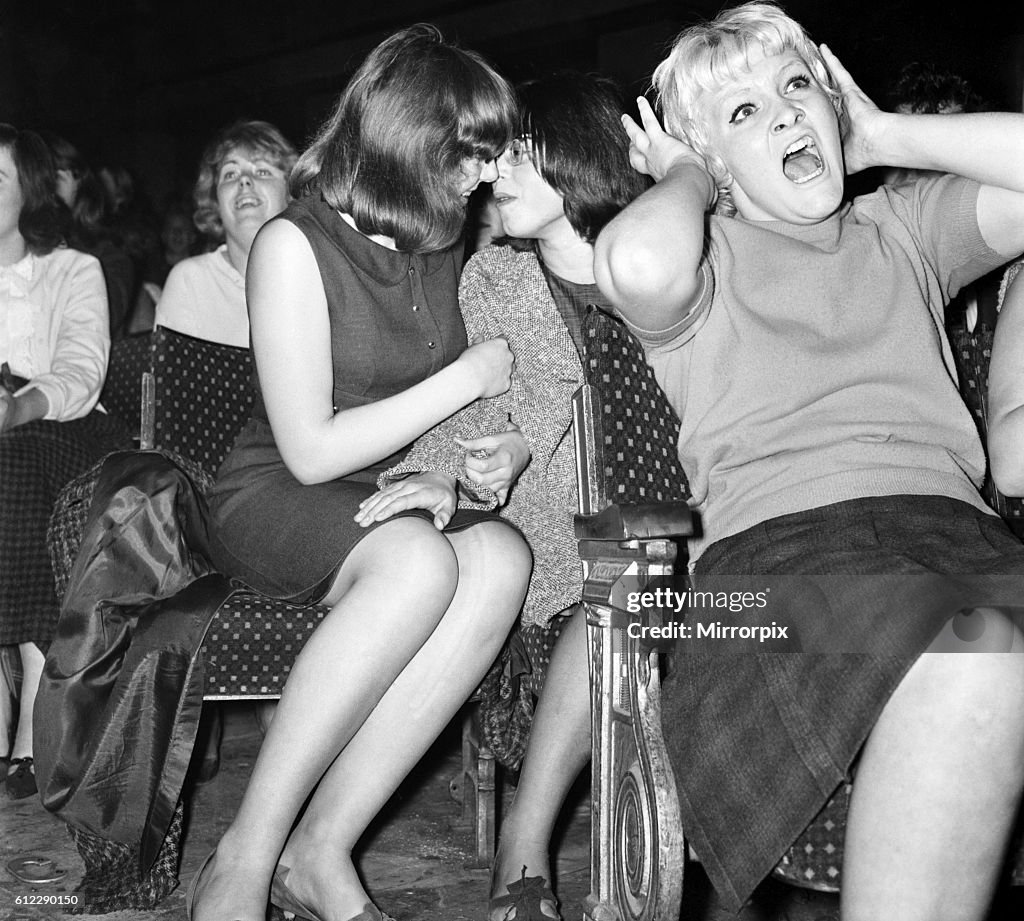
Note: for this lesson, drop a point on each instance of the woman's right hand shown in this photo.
(652, 150)
(490, 363)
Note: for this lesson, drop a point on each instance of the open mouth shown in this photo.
(247, 202)
(801, 162)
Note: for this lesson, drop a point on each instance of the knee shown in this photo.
(419, 561)
(505, 557)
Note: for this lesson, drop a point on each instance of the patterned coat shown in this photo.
(503, 293)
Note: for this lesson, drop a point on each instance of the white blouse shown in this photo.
(204, 297)
(55, 329)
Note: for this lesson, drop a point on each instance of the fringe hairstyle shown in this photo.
(579, 147)
(255, 137)
(707, 56)
(391, 152)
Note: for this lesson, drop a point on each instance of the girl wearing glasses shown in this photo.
(559, 182)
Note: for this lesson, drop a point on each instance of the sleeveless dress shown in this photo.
(394, 322)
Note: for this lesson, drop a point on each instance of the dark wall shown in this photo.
(146, 83)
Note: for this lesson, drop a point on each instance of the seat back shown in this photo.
(122, 389)
(627, 432)
(203, 396)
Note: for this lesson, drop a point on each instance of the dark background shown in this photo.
(145, 83)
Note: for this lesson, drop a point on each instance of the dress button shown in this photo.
(412, 271)
(431, 345)
(415, 307)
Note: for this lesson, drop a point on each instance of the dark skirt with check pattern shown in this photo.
(36, 461)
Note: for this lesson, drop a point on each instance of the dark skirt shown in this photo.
(36, 461)
(760, 740)
(287, 539)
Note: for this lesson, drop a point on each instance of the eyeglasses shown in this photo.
(519, 151)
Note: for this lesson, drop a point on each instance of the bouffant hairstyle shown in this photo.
(42, 222)
(707, 56)
(573, 122)
(257, 138)
(391, 153)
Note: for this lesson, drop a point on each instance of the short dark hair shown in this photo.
(42, 222)
(391, 152)
(257, 137)
(925, 89)
(579, 148)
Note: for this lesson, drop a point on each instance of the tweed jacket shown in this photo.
(503, 293)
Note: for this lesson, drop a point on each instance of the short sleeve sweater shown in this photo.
(819, 371)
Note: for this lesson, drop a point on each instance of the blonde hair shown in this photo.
(707, 56)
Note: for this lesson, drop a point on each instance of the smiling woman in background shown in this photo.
(242, 184)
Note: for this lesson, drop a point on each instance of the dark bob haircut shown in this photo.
(391, 152)
(257, 138)
(573, 121)
(42, 222)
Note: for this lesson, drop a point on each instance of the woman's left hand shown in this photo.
(495, 461)
(864, 120)
(434, 492)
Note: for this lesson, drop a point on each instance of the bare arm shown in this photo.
(985, 146)
(292, 348)
(647, 260)
(1006, 394)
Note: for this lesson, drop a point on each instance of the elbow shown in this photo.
(306, 467)
(1009, 481)
(638, 280)
(1006, 465)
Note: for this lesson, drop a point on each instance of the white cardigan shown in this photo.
(55, 329)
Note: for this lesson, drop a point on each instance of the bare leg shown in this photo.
(32, 661)
(7, 698)
(937, 791)
(419, 616)
(558, 749)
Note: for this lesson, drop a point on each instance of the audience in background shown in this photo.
(92, 228)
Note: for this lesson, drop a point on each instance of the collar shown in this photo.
(387, 266)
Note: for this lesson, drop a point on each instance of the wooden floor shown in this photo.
(412, 859)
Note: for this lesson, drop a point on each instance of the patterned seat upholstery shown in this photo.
(202, 397)
(122, 390)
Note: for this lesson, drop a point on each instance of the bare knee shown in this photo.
(405, 558)
(495, 551)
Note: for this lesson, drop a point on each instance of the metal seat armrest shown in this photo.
(637, 522)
